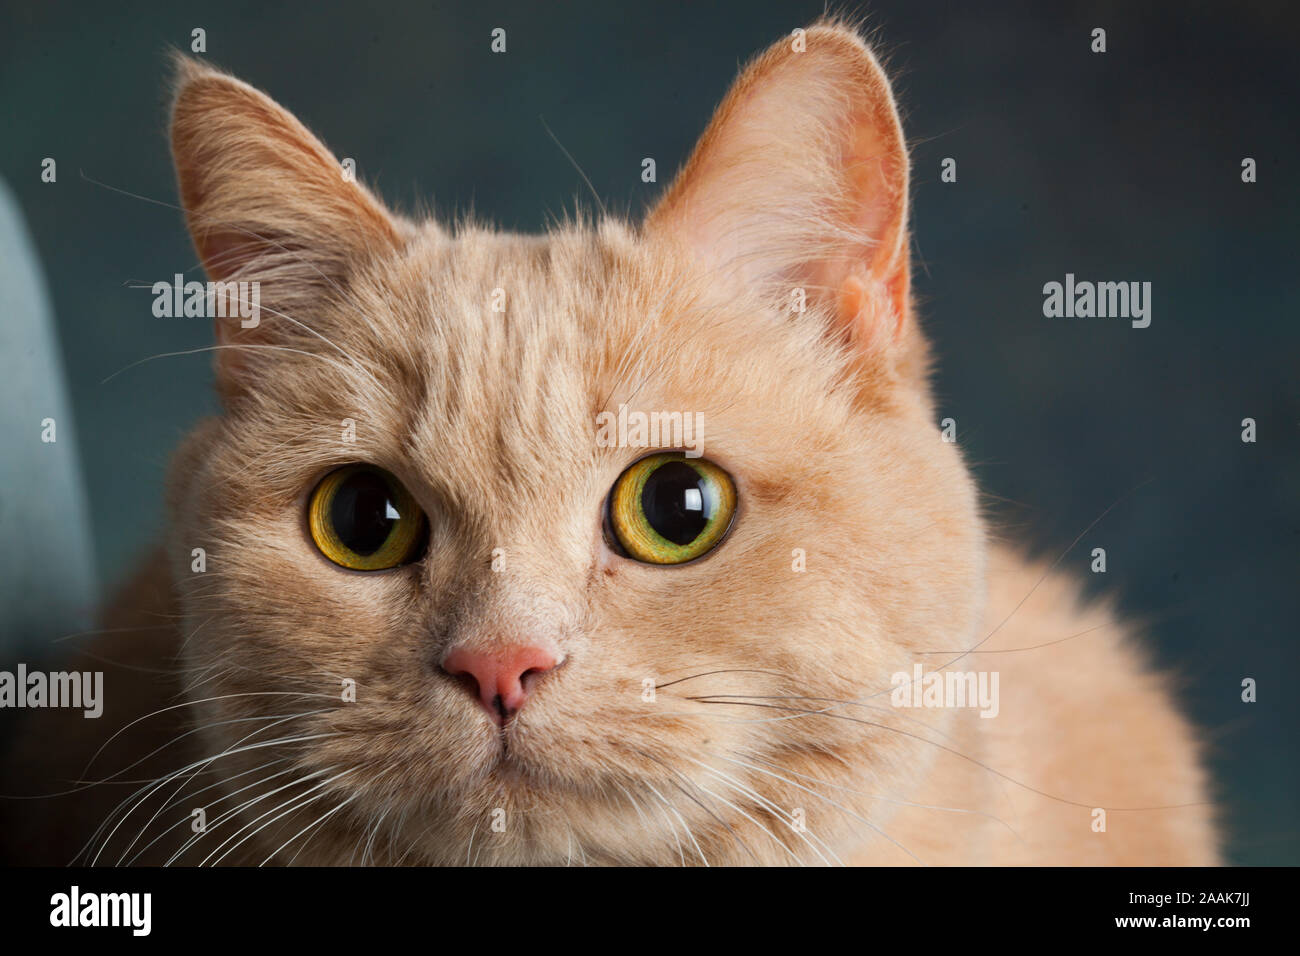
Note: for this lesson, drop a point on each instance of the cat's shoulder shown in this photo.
(1089, 714)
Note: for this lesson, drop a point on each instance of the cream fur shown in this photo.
(824, 419)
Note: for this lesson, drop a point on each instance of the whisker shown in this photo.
(957, 753)
(685, 826)
(297, 802)
(838, 806)
(772, 807)
(185, 782)
(309, 826)
(185, 819)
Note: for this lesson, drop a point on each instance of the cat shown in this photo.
(410, 611)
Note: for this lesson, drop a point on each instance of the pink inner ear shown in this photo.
(872, 313)
(873, 283)
(876, 181)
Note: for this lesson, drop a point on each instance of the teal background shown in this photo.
(1122, 166)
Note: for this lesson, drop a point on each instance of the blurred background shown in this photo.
(1117, 166)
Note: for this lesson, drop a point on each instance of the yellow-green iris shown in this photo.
(362, 518)
(669, 509)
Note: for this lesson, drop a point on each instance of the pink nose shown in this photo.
(502, 677)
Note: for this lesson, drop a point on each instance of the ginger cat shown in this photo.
(439, 622)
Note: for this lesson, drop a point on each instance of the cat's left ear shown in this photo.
(266, 202)
(800, 183)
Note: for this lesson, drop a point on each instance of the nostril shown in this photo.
(465, 679)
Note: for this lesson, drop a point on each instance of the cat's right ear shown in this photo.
(799, 186)
(266, 202)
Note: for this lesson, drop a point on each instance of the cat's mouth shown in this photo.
(509, 770)
(509, 775)
(509, 760)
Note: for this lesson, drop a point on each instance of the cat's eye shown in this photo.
(363, 519)
(670, 509)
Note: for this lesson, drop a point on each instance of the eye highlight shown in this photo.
(670, 509)
(362, 518)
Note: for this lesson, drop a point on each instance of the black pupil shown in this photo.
(677, 502)
(363, 512)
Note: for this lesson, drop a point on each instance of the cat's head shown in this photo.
(586, 647)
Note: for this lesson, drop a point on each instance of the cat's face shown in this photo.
(676, 716)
